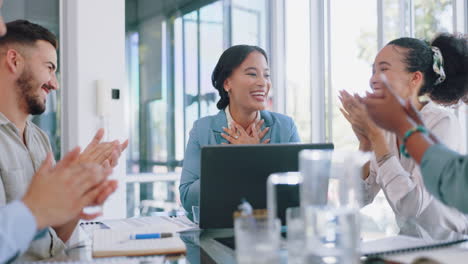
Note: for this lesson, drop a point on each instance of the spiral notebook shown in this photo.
(90, 226)
(403, 244)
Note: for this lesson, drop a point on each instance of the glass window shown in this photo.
(249, 26)
(170, 61)
(297, 66)
(211, 47)
(149, 151)
(249, 22)
(199, 39)
(432, 17)
(133, 72)
(179, 82)
(353, 47)
(392, 22)
(191, 71)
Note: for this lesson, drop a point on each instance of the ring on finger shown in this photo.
(236, 136)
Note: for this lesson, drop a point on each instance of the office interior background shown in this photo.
(160, 54)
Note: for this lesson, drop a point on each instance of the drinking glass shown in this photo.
(295, 235)
(257, 239)
(331, 199)
(282, 193)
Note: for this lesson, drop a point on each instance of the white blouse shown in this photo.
(400, 179)
(230, 119)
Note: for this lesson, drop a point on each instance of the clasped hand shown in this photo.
(355, 112)
(252, 135)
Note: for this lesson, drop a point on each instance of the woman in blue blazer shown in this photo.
(242, 79)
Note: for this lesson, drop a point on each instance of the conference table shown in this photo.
(377, 232)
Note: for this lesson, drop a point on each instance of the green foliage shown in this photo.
(428, 16)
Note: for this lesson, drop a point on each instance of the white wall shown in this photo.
(93, 48)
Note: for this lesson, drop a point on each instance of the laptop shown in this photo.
(230, 173)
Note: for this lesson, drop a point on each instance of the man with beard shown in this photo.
(56, 196)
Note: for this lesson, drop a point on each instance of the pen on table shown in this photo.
(150, 236)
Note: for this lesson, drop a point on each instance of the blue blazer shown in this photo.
(207, 131)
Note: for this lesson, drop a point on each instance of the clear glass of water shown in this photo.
(332, 235)
(296, 236)
(331, 199)
(257, 239)
(282, 191)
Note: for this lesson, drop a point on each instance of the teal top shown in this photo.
(207, 131)
(445, 174)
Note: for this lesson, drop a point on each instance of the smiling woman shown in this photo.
(424, 74)
(242, 79)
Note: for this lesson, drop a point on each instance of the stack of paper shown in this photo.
(112, 242)
(115, 240)
(121, 260)
(169, 224)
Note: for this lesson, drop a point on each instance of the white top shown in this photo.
(229, 117)
(400, 179)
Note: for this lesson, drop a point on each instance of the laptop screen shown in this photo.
(232, 172)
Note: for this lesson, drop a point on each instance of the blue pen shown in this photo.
(150, 236)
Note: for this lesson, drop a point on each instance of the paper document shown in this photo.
(168, 224)
(118, 260)
(112, 242)
(183, 220)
